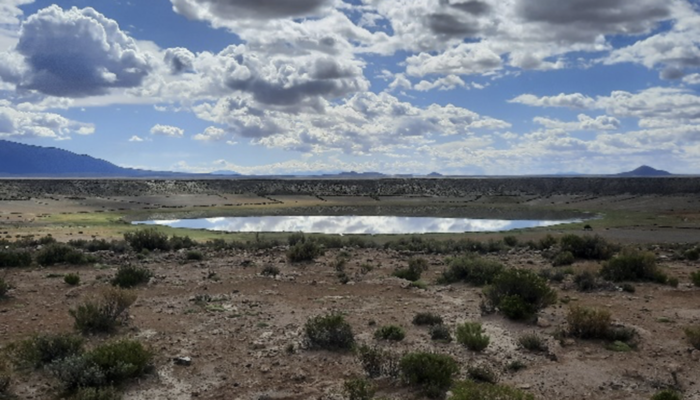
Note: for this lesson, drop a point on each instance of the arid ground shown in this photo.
(243, 330)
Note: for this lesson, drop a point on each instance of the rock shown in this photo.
(186, 361)
(543, 323)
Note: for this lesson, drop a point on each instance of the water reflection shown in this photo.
(354, 224)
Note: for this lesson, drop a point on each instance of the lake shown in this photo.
(355, 224)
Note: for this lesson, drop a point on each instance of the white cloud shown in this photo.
(249, 9)
(136, 139)
(575, 100)
(18, 124)
(74, 53)
(211, 133)
(584, 123)
(167, 130)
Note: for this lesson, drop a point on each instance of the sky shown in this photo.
(494, 87)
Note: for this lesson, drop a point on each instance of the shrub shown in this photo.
(482, 374)
(270, 270)
(532, 342)
(329, 332)
(667, 394)
(692, 254)
(586, 281)
(692, 333)
(588, 323)
(440, 333)
(427, 318)
(432, 372)
(121, 360)
(107, 364)
(97, 393)
(563, 258)
(15, 258)
(470, 334)
(632, 265)
(519, 293)
(5, 378)
(4, 287)
(180, 242)
(673, 282)
(588, 247)
(296, 237)
(377, 362)
(56, 253)
(304, 251)
(546, 242)
(470, 269)
(470, 390)
(628, 287)
(43, 349)
(128, 276)
(72, 279)
(510, 240)
(359, 389)
(149, 239)
(194, 255)
(104, 313)
(416, 267)
(695, 278)
(390, 332)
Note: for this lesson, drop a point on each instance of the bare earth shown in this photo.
(243, 330)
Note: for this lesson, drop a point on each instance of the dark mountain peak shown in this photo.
(434, 174)
(646, 170)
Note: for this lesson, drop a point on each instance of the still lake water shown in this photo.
(354, 224)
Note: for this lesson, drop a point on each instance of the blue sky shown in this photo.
(398, 86)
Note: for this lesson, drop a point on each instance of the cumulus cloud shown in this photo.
(18, 124)
(362, 124)
(210, 134)
(10, 11)
(74, 53)
(575, 100)
(136, 139)
(249, 9)
(167, 130)
(179, 60)
(584, 123)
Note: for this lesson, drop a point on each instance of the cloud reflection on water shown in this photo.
(354, 224)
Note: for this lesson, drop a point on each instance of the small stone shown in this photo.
(543, 323)
(186, 361)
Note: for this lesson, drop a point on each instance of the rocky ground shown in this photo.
(243, 330)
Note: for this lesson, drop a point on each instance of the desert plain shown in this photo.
(243, 329)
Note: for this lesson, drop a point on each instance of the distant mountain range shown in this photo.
(19, 160)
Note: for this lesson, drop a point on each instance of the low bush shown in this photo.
(128, 276)
(667, 394)
(695, 278)
(57, 253)
(72, 279)
(5, 379)
(42, 349)
(91, 245)
(427, 318)
(390, 332)
(692, 254)
(104, 313)
(633, 265)
(180, 242)
(329, 332)
(471, 269)
(471, 335)
(588, 323)
(97, 393)
(359, 389)
(586, 281)
(692, 333)
(532, 342)
(307, 250)
(377, 362)
(588, 247)
(4, 287)
(440, 333)
(546, 242)
(519, 293)
(14, 258)
(470, 390)
(563, 258)
(482, 374)
(270, 270)
(105, 365)
(149, 239)
(416, 267)
(432, 372)
(194, 255)
(510, 240)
